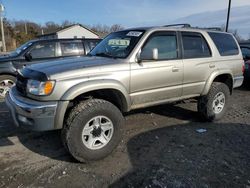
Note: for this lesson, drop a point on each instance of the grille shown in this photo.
(21, 84)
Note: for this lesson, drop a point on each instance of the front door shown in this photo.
(158, 80)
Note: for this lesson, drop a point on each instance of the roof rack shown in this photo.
(177, 25)
(185, 25)
(211, 28)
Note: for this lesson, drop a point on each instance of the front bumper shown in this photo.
(30, 114)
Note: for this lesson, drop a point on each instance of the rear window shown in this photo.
(225, 43)
(194, 45)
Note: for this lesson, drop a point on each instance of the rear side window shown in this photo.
(92, 44)
(194, 45)
(225, 43)
(70, 48)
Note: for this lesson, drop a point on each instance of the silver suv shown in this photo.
(130, 69)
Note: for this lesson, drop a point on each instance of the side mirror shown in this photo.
(28, 56)
(155, 54)
(138, 57)
(147, 55)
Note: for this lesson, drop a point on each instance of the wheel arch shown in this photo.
(109, 90)
(225, 76)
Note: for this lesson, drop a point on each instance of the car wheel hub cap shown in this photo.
(219, 102)
(5, 86)
(97, 132)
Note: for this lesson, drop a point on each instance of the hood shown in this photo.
(73, 65)
(5, 58)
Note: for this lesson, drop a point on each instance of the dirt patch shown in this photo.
(160, 148)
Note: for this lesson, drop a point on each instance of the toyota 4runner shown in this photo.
(129, 69)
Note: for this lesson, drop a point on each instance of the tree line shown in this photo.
(18, 32)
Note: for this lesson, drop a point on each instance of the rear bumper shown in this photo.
(30, 114)
(238, 81)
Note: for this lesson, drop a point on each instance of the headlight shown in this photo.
(40, 88)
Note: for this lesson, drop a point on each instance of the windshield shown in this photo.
(118, 44)
(21, 48)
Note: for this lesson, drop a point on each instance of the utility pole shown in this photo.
(25, 27)
(228, 14)
(2, 28)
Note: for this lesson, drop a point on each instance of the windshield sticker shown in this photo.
(134, 34)
(119, 42)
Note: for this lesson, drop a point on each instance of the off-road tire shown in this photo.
(77, 119)
(205, 103)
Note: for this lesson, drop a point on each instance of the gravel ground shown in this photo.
(161, 148)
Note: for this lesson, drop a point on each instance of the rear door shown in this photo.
(197, 62)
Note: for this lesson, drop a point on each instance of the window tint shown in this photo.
(166, 45)
(43, 50)
(92, 44)
(225, 43)
(195, 46)
(71, 48)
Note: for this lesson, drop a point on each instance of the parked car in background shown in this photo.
(35, 51)
(245, 49)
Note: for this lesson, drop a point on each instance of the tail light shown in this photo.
(243, 68)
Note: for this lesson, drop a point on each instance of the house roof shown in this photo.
(66, 28)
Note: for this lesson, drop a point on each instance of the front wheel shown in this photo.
(93, 130)
(213, 106)
(6, 82)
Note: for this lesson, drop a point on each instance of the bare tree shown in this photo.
(20, 31)
(236, 34)
(116, 27)
(66, 23)
(51, 27)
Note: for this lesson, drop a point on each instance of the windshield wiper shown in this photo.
(102, 54)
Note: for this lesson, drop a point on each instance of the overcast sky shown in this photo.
(126, 12)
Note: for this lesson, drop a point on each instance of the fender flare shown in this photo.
(7, 68)
(212, 78)
(89, 86)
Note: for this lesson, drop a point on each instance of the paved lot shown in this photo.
(161, 148)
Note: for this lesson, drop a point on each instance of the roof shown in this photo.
(66, 28)
(172, 28)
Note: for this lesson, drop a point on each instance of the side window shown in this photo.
(194, 45)
(43, 50)
(71, 48)
(92, 44)
(166, 45)
(225, 43)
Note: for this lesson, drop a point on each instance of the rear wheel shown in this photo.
(6, 82)
(213, 106)
(93, 130)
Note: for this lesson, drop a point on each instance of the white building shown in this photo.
(73, 31)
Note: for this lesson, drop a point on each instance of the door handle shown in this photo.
(211, 66)
(175, 69)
